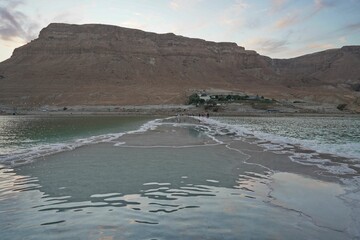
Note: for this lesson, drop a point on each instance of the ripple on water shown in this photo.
(104, 191)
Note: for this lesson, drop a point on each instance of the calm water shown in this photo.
(137, 178)
(25, 138)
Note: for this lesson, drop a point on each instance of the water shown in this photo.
(25, 138)
(138, 178)
(335, 135)
(331, 143)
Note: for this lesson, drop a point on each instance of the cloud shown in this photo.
(272, 45)
(352, 27)
(277, 5)
(320, 5)
(175, 5)
(239, 5)
(343, 31)
(319, 46)
(14, 24)
(308, 49)
(183, 4)
(233, 16)
(339, 35)
(14, 3)
(297, 16)
(342, 39)
(287, 21)
(267, 45)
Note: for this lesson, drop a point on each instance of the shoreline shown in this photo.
(163, 110)
(248, 174)
(176, 164)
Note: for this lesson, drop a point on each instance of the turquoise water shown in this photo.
(24, 138)
(140, 178)
(25, 131)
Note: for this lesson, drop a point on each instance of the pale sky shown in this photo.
(275, 28)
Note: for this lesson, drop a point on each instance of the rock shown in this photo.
(95, 64)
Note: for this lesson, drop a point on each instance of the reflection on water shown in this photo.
(134, 191)
(105, 175)
(28, 131)
(130, 192)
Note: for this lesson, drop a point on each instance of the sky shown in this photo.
(275, 28)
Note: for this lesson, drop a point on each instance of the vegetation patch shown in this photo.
(214, 100)
(342, 106)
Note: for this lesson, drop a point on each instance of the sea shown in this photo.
(179, 177)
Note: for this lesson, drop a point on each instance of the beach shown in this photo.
(181, 177)
(219, 120)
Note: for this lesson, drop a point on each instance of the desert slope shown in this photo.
(96, 64)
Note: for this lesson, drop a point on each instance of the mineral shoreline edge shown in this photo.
(122, 177)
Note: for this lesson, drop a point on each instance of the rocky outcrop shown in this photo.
(336, 66)
(99, 64)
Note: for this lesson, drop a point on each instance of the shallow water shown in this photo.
(25, 138)
(335, 135)
(170, 180)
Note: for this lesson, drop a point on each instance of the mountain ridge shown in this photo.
(96, 64)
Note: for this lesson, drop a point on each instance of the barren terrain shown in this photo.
(94, 64)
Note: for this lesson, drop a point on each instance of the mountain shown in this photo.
(97, 64)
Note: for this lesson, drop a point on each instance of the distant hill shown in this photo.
(96, 64)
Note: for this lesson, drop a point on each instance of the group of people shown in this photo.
(178, 119)
(204, 114)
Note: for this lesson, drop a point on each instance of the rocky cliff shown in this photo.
(99, 64)
(336, 66)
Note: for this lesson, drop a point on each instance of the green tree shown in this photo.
(341, 107)
(194, 99)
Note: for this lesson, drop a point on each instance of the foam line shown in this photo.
(276, 142)
(25, 156)
(287, 145)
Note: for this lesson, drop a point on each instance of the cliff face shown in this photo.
(336, 66)
(99, 64)
(331, 76)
